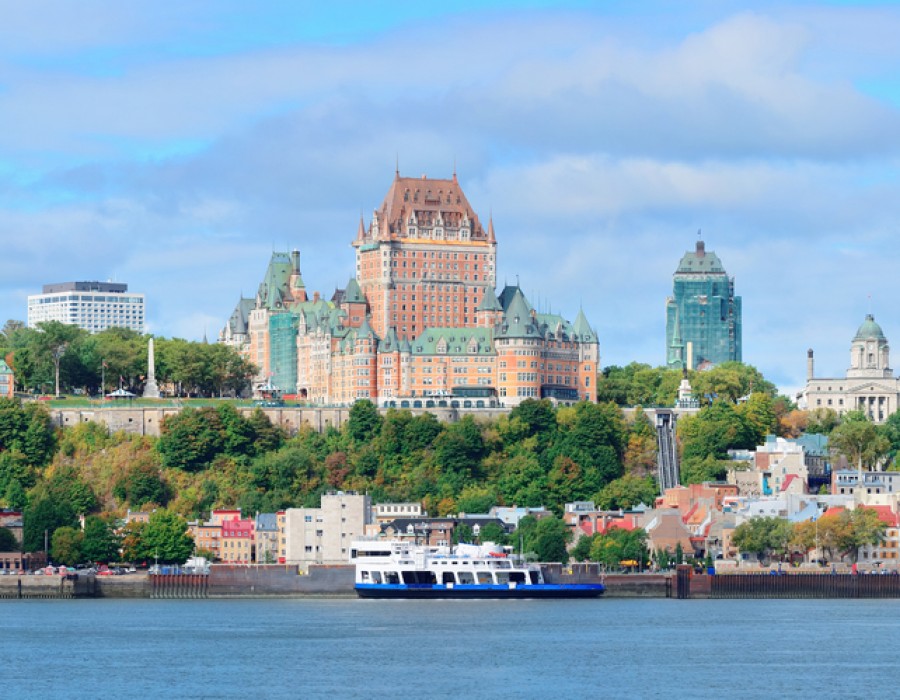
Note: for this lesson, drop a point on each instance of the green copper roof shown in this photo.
(4, 368)
(489, 302)
(353, 294)
(869, 330)
(454, 341)
(583, 331)
(517, 321)
(700, 261)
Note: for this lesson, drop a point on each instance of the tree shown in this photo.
(364, 422)
(618, 545)
(545, 538)
(763, 536)
(141, 484)
(627, 492)
(191, 439)
(43, 517)
(860, 442)
(8, 541)
(100, 542)
(66, 546)
(166, 538)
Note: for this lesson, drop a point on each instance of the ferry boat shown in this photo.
(398, 569)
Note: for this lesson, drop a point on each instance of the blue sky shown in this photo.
(175, 148)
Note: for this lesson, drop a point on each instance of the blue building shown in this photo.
(703, 316)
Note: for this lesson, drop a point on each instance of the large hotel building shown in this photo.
(419, 324)
(94, 306)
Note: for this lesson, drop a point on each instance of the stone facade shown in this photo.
(869, 385)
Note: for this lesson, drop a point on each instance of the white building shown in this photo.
(323, 535)
(94, 306)
(869, 386)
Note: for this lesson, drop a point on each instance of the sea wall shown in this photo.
(617, 585)
(279, 580)
(54, 586)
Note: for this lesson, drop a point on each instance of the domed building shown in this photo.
(869, 386)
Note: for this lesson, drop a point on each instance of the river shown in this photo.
(347, 648)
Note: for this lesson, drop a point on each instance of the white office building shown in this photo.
(94, 306)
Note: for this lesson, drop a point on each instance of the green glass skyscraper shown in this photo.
(703, 317)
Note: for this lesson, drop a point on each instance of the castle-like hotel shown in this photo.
(419, 324)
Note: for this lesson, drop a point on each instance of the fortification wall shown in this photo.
(146, 420)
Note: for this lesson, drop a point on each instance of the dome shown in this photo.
(869, 330)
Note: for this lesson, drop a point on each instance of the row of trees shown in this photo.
(639, 384)
(68, 358)
(163, 539)
(838, 534)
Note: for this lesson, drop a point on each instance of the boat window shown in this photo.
(485, 577)
(503, 577)
(376, 577)
(535, 576)
(466, 577)
(517, 576)
(391, 577)
(447, 578)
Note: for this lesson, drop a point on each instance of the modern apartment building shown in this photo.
(323, 535)
(94, 306)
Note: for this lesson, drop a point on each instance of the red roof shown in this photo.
(885, 514)
(787, 481)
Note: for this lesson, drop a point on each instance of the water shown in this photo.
(316, 648)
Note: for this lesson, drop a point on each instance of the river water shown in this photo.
(347, 648)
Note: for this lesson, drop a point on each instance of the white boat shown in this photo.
(402, 569)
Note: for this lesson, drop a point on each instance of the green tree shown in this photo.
(166, 538)
(141, 484)
(364, 422)
(66, 545)
(617, 545)
(860, 442)
(763, 536)
(627, 492)
(545, 538)
(100, 542)
(44, 516)
(8, 541)
(191, 439)
(493, 532)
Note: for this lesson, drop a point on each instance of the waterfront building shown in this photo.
(869, 384)
(703, 315)
(323, 535)
(237, 541)
(267, 536)
(7, 381)
(886, 552)
(419, 324)
(93, 306)
(386, 512)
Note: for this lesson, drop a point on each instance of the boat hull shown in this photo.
(477, 592)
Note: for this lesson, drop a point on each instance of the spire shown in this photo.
(491, 237)
(583, 330)
(361, 232)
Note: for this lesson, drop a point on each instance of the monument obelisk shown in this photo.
(151, 391)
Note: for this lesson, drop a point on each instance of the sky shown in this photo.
(175, 146)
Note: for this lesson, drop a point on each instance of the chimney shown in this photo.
(809, 364)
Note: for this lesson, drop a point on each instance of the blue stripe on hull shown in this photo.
(548, 590)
